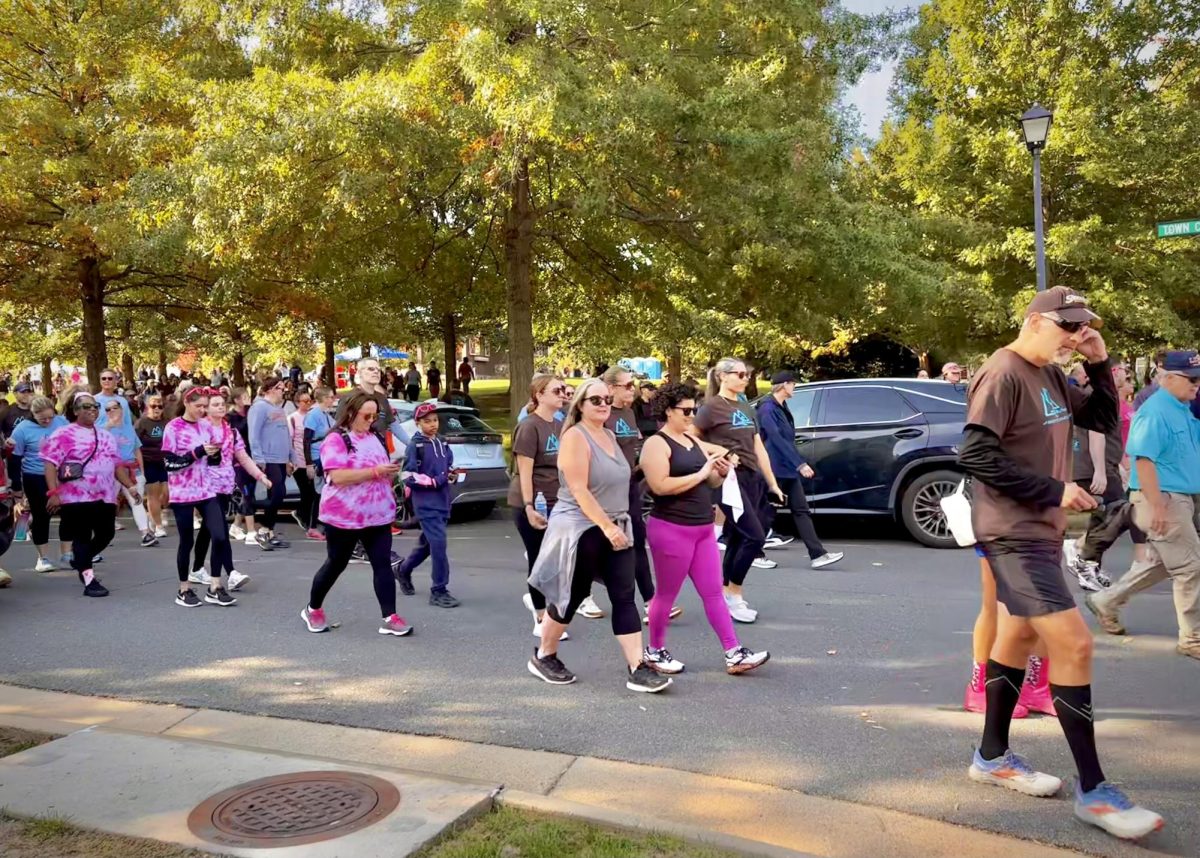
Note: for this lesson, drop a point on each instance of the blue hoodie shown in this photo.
(778, 431)
(432, 457)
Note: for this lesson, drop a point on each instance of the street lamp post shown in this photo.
(1035, 126)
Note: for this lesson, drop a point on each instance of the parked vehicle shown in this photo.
(883, 446)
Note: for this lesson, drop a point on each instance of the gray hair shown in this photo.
(724, 365)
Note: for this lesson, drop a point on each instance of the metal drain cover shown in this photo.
(293, 809)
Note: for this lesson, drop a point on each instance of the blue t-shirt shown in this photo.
(128, 443)
(27, 441)
(103, 399)
(1165, 432)
(320, 422)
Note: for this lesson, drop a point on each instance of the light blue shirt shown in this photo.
(128, 443)
(27, 440)
(320, 422)
(1165, 432)
(103, 399)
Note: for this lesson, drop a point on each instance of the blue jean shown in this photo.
(431, 544)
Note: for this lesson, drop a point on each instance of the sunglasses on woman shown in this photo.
(599, 400)
(627, 386)
(686, 412)
(559, 391)
(741, 373)
(87, 406)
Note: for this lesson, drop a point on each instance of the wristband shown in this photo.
(529, 503)
(53, 491)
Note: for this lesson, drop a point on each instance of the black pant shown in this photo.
(339, 545)
(91, 525)
(277, 473)
(412, 392)
(212, 520)
(39, 518)
(801, 516)
(219, 560)
(641, 560)
(465, 384)
(308, 498)
(532, 537)
(595, 560)
(744, 538)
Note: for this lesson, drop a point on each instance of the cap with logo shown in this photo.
(1186, 362)
(1066, 303)
(424, 410)
(23, 387)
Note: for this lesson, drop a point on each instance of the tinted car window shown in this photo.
(801, 406)
(849, 405)
(458, 423)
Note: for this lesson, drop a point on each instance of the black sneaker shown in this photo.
(187, 599)
(276, 542)
(442, 600)
(550, 669)
(404, 579)
(220, 597)
(263, 541)
(95, 589)
(359, 555)
(645, 679)
(149, 539)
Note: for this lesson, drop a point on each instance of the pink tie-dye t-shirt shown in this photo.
(360, 505)
(220, 477)
(74, 443)
(193, 483)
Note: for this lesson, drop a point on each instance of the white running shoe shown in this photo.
(236, 532)
(251, 539)
(200, 576)
(739, 610)
(45, 564)
(1109, 808)
(1070, 552)
(742, 660)
(196, 525)
(159, 532)
(774, 540)
(827, 559)
(1011, 771)
(527, 600)
(763, 563)
(590, 609)
(661, 661)
(118, 526)
(237, 580)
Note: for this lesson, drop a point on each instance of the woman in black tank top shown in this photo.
(681, 472)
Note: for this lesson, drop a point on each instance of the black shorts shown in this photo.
(1029, 576)
(156, 472)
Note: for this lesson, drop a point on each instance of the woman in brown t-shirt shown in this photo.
(732, 423)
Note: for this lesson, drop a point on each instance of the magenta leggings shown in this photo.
(679, 551)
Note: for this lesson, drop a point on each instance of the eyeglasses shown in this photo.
(559, 391)
(627, 386)
(686, 412)
(599, 400)
(154, 406)
(1069, 327)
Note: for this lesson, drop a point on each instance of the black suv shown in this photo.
(883, 446)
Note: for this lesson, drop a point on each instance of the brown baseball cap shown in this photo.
(1066, 303)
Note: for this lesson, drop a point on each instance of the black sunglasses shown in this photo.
(559, 391)
(599, 400)
(108, 378)
(686, 412)
(741, 373)
(87, 406)
(1069, 327)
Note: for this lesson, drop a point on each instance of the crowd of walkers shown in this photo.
(641, 488)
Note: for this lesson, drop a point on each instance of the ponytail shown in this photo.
(724, 365)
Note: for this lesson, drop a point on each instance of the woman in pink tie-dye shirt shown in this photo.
(88, 505)
(357, 506)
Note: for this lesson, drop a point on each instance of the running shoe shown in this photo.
(527, 601)
(314, 534)
(404, 578)
(118, 526)
(219, 597)
(149, 539)
(739, 610)
(200, 576)
(196, 525)
(660, 660)
(44, 564)
(550, 669)
(763, 563)
(65, 561)
(187, 599)
(1109, 808)
(251, 539)
(975, 698)
(827, 559)
(314, 618)
(235, 532)
(774, 540)
(97, 558)
(395, 625)
(1070, 552)
(237, 580)
(160, 533)
(5, 579)
(1087, 573)
(95, 589)
(299, 521)
(721, 546)
(1110, 621)
(276, 542)
(359, 555)
(588, 608)
(263, 541)
(1011, 771)
(742, 660)
(396, 531)
(1035, 691)
(644, 678)
(443, 600)
(676, 611)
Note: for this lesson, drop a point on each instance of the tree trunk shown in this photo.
(675, 362)
(128, 373)
(91, 295)
(518, 258)
(238, 368)
(450, 347)
(162, 363)
(330, 370)
(47, 378)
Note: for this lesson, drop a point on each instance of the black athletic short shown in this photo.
(1029, 576)
(156, 472)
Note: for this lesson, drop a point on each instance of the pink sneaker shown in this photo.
(1035, 693)
(314, 618)
(315, 535)
(395, 625)
(975, 699)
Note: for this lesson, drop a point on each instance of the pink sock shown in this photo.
(88, 576)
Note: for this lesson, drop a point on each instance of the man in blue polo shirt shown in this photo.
(1164, 444)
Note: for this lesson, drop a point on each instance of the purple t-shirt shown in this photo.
(365, 504)
(193, 483)
(75, 443)
(220, 477)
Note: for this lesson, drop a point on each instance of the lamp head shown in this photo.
(1035, 127)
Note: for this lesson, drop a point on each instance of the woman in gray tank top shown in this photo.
(588, 538)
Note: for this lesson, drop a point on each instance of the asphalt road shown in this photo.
(860, 700)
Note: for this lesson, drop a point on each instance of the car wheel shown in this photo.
(472, 511)
(921, 509)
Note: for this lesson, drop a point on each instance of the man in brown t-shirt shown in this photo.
(1017, 448)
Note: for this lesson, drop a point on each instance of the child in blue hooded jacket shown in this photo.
(428, 471)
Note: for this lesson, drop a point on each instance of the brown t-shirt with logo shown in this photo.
(622, 422)
(537, 439)
(1029, 409)
(731, 424)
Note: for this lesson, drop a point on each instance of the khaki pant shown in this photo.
(1178, 552)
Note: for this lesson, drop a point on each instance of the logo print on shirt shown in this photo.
(1054, 412)
(552, 444)
(622, 429)
(739, 420)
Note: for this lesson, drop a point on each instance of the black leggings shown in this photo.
(532, 537)
(801, 516)
(744, 538)
(339, 545)
(212, 519)
(91, 525)
(308, 498)
(595, 560)
(219, 561)
(641, 560)
(277, 473)
(39, 524)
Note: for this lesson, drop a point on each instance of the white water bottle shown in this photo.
(539, 504)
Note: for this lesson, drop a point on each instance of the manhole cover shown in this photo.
(292, 810)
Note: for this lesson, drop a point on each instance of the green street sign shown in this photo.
(1178, 227)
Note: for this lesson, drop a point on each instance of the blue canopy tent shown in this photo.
(381, 352)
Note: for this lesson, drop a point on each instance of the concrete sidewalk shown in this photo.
(733, 814)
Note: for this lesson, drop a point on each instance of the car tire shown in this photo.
(472, 511)
(919, 509)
